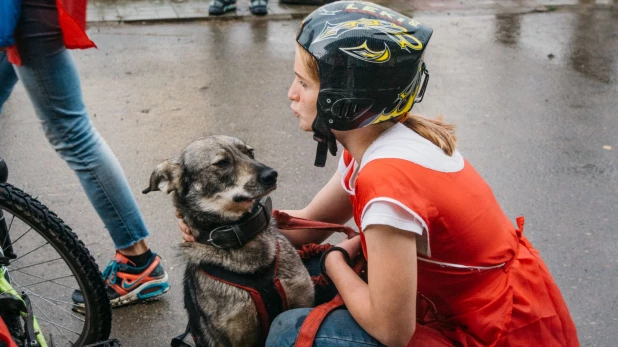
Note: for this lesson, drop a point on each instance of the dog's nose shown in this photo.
(268, 176)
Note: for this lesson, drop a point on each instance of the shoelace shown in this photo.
(110, 272)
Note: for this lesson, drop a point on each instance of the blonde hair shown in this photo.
(436, 130)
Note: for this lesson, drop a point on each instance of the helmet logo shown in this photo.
(396, 33)
(363, 52)
(404, 101)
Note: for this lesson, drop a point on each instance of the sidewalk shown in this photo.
(169, 10)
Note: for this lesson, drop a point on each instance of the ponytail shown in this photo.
(437, 131)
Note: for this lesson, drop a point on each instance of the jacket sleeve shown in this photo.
(9, 15)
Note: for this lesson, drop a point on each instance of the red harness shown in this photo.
(264, 287)
(266, 290)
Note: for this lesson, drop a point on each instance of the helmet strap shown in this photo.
(326, 141)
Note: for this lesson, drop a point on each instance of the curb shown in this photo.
(171, 11)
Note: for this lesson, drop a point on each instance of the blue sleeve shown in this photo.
(9, 15)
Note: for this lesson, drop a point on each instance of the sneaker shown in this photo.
(259, 7)
(219, 7)
(127, 284)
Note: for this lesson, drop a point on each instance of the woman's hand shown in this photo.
(185, 231)
(352, 246)
(334, 260)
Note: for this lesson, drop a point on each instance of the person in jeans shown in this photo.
(40, 59)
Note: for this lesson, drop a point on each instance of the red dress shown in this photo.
(481, 282)
(72, 19)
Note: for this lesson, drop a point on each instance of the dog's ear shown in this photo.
(166, 177)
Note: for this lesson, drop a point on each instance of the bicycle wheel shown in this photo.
(49, 263)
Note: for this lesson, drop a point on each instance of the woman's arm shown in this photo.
(386, 307)
(330, 205)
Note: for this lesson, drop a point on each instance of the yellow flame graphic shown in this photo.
(363, 52)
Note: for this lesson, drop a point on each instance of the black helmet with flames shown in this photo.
(371, 67)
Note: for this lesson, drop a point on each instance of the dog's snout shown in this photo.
(268, 176)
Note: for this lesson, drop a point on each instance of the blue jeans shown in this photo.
(338, 329)
(51, 80)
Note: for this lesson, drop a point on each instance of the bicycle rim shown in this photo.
(50, 264)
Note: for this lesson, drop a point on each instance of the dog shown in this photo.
(216, 183)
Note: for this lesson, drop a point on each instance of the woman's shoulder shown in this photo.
(401, 143)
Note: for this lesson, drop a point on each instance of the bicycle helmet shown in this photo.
(370, 62)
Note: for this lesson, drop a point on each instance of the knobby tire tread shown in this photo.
(74, 252)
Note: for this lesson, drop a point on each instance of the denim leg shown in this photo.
(52, 82)
(339, 329)
(8, 79)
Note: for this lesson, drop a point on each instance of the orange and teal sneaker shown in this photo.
(127, 284)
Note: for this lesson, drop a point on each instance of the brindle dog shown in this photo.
(216, 181)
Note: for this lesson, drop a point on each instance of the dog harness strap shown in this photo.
(184, 339)
(264, 287)
(312, 323)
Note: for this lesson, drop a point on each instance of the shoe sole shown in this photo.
(135, 296)
(217, 12)
(259, 11)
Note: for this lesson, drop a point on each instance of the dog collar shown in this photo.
(238, 234)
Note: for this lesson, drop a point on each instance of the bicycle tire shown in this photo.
(47, 224)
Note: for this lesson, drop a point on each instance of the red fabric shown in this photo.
(426, 336)
(279, 286)
(287, 222)
(310, 250)
(257, 301)
(72, 19)
(5, 335)
(312, 322)
(284, 297)
(515, 304)
(256, 297)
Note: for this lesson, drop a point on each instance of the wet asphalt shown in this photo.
(534, 98)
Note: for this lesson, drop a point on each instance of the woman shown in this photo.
(38, 55)
(445, 265)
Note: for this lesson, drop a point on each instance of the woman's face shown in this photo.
(304, 94)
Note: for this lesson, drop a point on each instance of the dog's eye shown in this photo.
(222, 163)
(251, 154)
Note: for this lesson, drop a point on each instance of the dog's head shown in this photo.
(217, 176)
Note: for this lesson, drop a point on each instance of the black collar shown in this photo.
(238, 234)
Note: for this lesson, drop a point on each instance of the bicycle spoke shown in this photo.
(27, 266)
(46, 280)
(43, 312)
(9, 229)
(49, 300)
(11, 224)
(22, 235)
(45, 244)
(50, 275)
(41, 278)
(58, 325)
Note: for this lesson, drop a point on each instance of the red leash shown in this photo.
(287, 222)
(311, 325)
